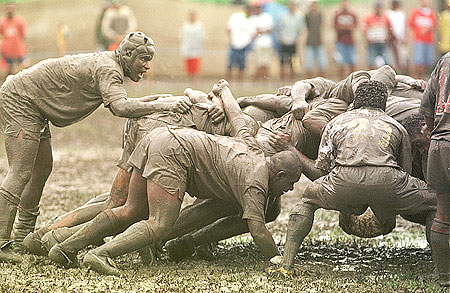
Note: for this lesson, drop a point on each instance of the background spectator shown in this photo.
(13, 30)
(377, 30)
(192, 37)
(315, 52)
(397, 18)
(241, 33)
(62, 35)
(102, 41)
(290, 25)
(444, 29)
(117, 21)
(263, 44)
(345, 22)
(423, 23)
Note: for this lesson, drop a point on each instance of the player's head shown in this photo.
(134, 53)
(285, 169)
(371, 94)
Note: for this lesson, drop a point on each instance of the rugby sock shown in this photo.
(25, 223)
(440, 249)
(135, 237)
(8, 210)
(101, 226)
(299, 227)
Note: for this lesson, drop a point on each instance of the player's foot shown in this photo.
(63, 257)
(34, 244)
(179, 249)
(101, 264)
(7, 254)
(147, 255)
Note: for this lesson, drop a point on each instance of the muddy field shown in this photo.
(84, 166)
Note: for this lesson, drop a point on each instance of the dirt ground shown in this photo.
(329, 261)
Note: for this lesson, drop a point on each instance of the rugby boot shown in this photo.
(63, 257)
(180, 248)
(26, 221)
(34, 244)
(135, 237)
(8, 255)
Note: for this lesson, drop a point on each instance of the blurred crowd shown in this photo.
(410, 41)
(388, 34)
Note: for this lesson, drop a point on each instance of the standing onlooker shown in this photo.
(192, 36)
(315, 52)
(241, 33)
(423, 23)
(12, 31)
(345, 23)
(377, 30)
(117, 21)
(444, 29)
(289, 27)
(101, 40)
(436, 109)
(62, 34)
(397, 18)
(263, 44)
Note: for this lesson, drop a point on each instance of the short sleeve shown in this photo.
(110, 84)
(253, 205)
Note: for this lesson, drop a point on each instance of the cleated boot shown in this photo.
(26, 221)
(63, 257)
(180, 248)
(34, 244)
(7, 254)
(101, 264)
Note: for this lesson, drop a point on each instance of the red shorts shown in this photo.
(192, 65)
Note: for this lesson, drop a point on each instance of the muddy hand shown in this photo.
(216, 112)
(299, 109)
(219, 87)
(242, 101)
(284, 91)
(419, 84)
(279, 141)
(180, 106)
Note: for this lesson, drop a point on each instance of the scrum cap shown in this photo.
(134, 45)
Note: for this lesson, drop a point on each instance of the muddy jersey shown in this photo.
(207, 166)
(364, 137)
(320, 86)
(400, 108)
(406, 91)
(67, 89)
(196, 117)
(299, 136)
(436, 99)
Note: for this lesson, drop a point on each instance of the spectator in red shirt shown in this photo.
(423, 23)
(12, 32)
(377, 30)
(345, 22)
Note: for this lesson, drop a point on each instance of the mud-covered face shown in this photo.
(139, 67)
(280, 184)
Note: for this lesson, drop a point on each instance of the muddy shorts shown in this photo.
(325, 111)
(386, 190)
(20, 115)
(161, 158)
(438, 167)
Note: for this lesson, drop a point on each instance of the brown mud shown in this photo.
(329, 261)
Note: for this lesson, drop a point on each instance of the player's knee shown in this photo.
(157, 229)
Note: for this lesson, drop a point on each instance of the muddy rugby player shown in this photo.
(363, 153)
(436, 109)
(61, 91)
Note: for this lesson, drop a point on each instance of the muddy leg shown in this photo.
(31, 196)
(21, 154)
(440, 237)
(164, 209)
(299, 226)
(108, 222)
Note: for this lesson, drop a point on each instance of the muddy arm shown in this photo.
(130, 108)
(262, 238)
(299, 92)
(309, 169)
(152, 97)
(268, 102)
